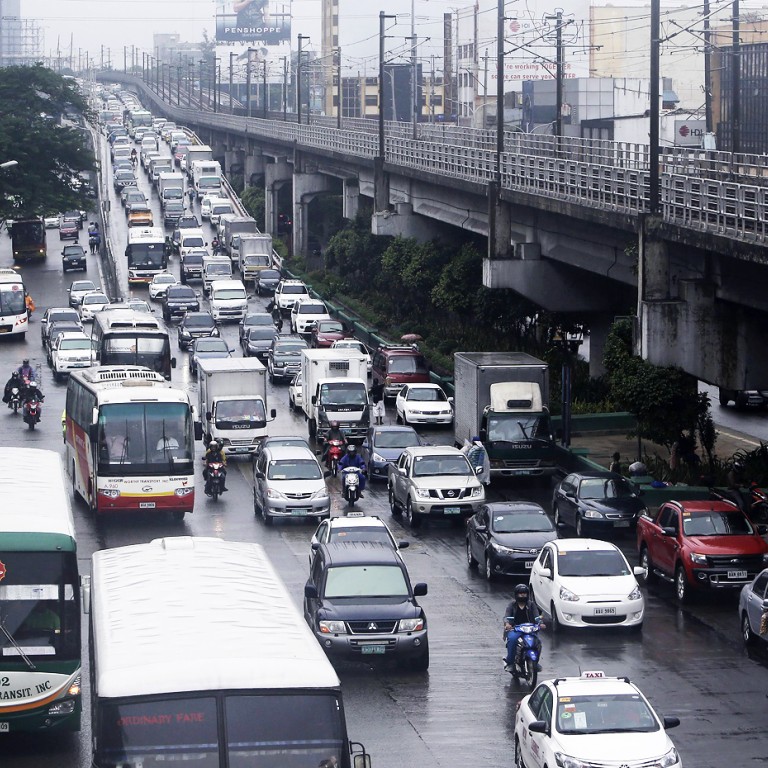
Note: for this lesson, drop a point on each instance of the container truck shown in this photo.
(170, 186)
(253, 253)
(194, 153)
(335, 388)
(503, 398)
(206, 177)
(236, 225)
(233, 403)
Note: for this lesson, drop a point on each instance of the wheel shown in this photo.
(421, 662)
(351, 499)
(334, 467)
(178, 515)
(531, 674)
(399, 418)
(471, 562)
(312, 429)
(15, 407)
(518, 755)
(166, 317)
(413, 520)
(57, 377)
(488, 567)
(266, 517)
(556, 625)
(645, 563)
(580, 526)
(31, 423)
(682, 588)
(750, 638)
(393, 508)
(558, 519)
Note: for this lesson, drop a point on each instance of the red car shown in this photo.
(325, 332)
(69, 229)
(700, 545)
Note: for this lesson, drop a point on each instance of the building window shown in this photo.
(371, 101)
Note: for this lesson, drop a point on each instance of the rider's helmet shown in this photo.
(351, 450)
(334, 425)
(25, 361)
(15, 375)
(31, 384)
(738, 465)
(522, 593)
(213, 445)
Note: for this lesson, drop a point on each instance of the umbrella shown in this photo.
(411, 337)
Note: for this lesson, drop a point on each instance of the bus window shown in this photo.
(12, 302)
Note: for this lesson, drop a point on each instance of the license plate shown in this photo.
(5, 727)
(737, 574)
(146, 505)
(369, 649)
(452, 510)
(621, 524)
(529, 564)
(605, 611)
(4, 330)
(301, 511)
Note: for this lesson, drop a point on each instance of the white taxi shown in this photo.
(592, 721)
(423, 404)
(587, 583)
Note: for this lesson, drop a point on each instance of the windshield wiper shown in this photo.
(13, 642)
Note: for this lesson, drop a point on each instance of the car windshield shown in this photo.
(258, 319)
(424, 394)
(359, 533)
(294, 469)
(605, 488)
(68, 314)
(261, 332)
(407, 364)
(83, 285)
(96, 298)
(292, 289)
(181, 293)
(343, 344)
(596, 562)
(218, 269)
(520, 522)
(343, 393)
(228, 294)
(193, 242)
(211, 345)
(430, 466)
(269, 274)
(513, 427)
(75, 344)
(312, 309)
(291, 348)
(617, 713)
(365, 581)
(383, 438)
(199, 321)
(732, 523)
(165, 279)
(332, 327)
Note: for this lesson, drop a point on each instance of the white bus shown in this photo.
(199, 657)
(145, 253)
(13, 307)
(130, 441)
(39, 596)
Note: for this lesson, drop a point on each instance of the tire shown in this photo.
(647, 564)
(31, 423)
(421, 662)
(682, 588)
(393, 508)
(471, 562)
(487, 567)
(178, 515)
(312, 429)
(518, 755)
(557, 627)
(749, 637)
(334, 467)
(531, 674)
(556, 514)
(266, 517)
(580, 526)
(413, 520)
(399, 419)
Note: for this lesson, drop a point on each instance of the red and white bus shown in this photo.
(130, 441)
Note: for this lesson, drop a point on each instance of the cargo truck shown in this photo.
(253, 253)
(194, 153)
(233, 403)
(503, 398)
(335, 388)
(206, 177)
(236, 225)
(170, 186)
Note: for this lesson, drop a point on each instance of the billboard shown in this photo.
(252, 21)
(236, 57)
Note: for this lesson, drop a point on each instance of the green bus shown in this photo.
(39, 596)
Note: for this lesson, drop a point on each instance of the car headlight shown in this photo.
(500, 549)
(568, 596)
(422, 493)
(321, 494)
(635, 594)
(332, 627)
(477, 492)
(592, 513)
(671, 758)
(566, 761)
(273, 494)
(698, 558)
(377, 458)
(410, 625)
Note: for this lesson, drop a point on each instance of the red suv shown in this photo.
(396, 366)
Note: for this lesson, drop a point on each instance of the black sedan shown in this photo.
(207, 349)
(258, 341)
(383, 445)
(196, 325)
(178, 300)
(506, 537)
(255, 320)
(266, 281)
(588, 501)
(73, 257)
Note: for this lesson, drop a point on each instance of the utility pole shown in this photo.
(382, 19)
(266, 93)
(231, 67)
(201, 84)
(285, 88)
(125, 58)
(736, 81)
(500, 87)
(302, 38)
(414, 63)
(707, 70)
(339, 91)
(653, 131)
(560, 75)
(248, 83)
(178, 85)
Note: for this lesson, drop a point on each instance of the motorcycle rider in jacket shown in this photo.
(521, 610)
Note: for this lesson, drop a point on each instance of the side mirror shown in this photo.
(539, 726)
(93, 432)
(173, 359)
(638, 570)
(208, 415)
(272, 414)
(478, 470)
(259, 475)
(361, 761)
(671, 722)
(198, 431)
(546, 573)
(314, 399)
(403, 544)
(765, 605)
(483, 435)
(310, 591)
(315, 546)
(420, 589)
(667, 530)
(85, 591)
(481, 528)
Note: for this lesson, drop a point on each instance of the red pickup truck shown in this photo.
(700, 544)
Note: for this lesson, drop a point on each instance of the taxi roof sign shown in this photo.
(592, 674)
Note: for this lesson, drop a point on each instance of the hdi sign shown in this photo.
(690, 133)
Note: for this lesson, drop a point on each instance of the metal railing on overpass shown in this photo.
(716, 192)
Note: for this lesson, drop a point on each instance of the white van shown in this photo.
(215, 268)
(191, 238)
(228, 300)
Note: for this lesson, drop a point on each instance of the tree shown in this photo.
(50, 155)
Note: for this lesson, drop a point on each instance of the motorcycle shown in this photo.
(214, 484)
(334, 454)
(15, 399)
(350, 481)
(753, 502)
(527, 654)
(32, 410)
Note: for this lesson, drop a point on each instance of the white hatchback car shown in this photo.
(587, 583)
(160, 283)
(205, 204)
(592, 720)
(91, 304)
(423, 404)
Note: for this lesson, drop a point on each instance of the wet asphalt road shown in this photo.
(690, 662)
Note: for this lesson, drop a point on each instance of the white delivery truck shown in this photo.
(194, 153)
(170, 186)
(206, 177)
(253, 253)
(215, 267)
(335, 388)
(236, 225)
(233, 403)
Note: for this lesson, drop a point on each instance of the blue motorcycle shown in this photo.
(528, 653)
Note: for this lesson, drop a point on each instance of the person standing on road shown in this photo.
(478, 457)
(376, 393)
(616, 463)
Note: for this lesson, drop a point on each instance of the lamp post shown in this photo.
(285, 88)
(298, 79)
(382, 19)
(231, 67)
(190, 80)
(200, 62)
(178, 85)
(569, 342)
(248, 83)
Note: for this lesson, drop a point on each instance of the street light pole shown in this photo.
(653, 112)
(266, 94)
(499, 87)
(298, 79)
(339, 90)
(248, 83)
(285, 88)
(382, 19)
(231, 67)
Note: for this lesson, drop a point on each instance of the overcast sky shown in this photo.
(89, 24)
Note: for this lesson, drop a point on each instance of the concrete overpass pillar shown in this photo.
(499, 224)
(350, 198)
(253, 166)
(403, 222)
(380, 186)
(653, 260)
(232, 158)
(306, 186)
(275, 175)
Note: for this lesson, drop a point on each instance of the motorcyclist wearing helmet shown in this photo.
(14, 381)
(736, 481)
(215, 453)
(353, 459)
(31, 392)
(334, 433)
(521, 610)
(26, 371)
